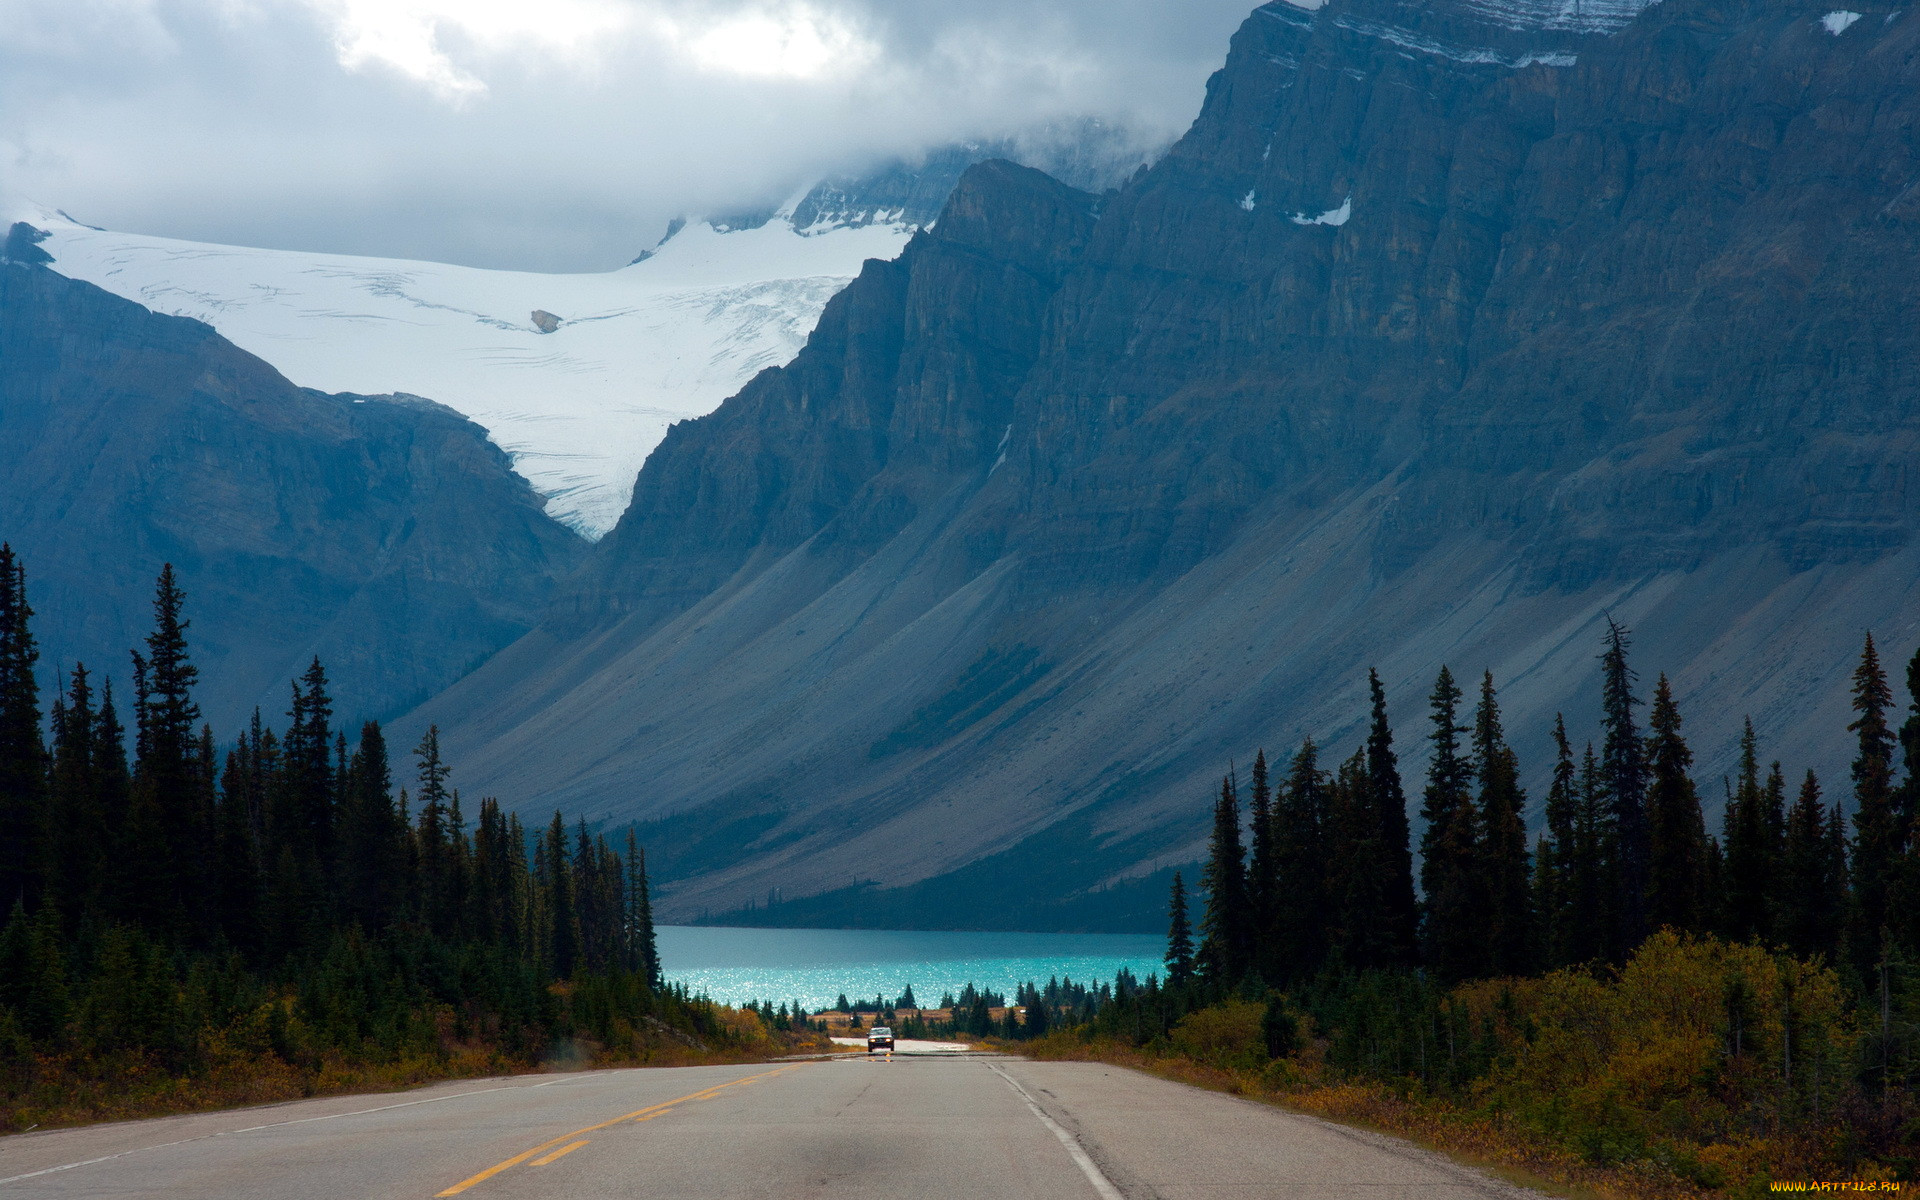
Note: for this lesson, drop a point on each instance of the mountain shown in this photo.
(383, 533)
(576, 377)
(1449, 329)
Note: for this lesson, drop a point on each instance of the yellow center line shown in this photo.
(544, 1159)
(642, 1114)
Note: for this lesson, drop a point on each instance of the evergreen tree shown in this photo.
(1263, 870)
(1623, 767)
(1226, 942)
(1555, 859)
(26, 832)
(1179, 936)
(1751, 832)
(557, 884)
(1876, 841)
(1360, 909)
(75, 824)
(433, 839)
(1811, 888)
(1453, 931)
(1503, 840)
(1677, 868)
(644, 954)
(1302, 913)
(165, 828)
(1389, 800)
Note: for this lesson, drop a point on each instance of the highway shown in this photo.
(929, 1125)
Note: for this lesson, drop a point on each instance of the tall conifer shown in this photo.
(1388, 797)
(1452, 932)
(1623, 767)
(1677, 868)
(1302, 909)
(1876, 840)
(1811, 889)
(1503, 839)
(1179, 956)
(1263, 870)
(26, 831)
(1226, 942)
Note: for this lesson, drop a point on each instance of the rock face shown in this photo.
(1448, 329)
(383, 533)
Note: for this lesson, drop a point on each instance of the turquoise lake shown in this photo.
(814, 966)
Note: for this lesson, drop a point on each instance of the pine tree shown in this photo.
(1226, 942)
(73, 794)
(1503, 840)
(1263, 871)
(563, 929)
(647, 946)
(1453, 933)
(1811, 889)
(434, 836)
(1179, 936)
(1302, 912)
(1677, 868)
(1623, 767)
(1389, 801)
(1876, 840)
(26, 833)
(1359, 910)
(1752, 837)
(165, 828)
(1554, 858)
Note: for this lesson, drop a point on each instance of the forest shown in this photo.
(201, 922)
(1629, 1001)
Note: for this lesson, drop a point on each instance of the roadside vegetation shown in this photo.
(188, 929)
(1631, 1007)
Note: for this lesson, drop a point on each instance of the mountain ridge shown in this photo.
(1405, 354)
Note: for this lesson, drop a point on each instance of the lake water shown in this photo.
(815, 965)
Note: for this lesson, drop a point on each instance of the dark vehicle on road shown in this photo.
(879, 1038)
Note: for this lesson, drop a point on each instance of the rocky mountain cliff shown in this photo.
(383, 533)
(1449, 328)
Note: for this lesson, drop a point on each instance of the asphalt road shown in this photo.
(918, 1126)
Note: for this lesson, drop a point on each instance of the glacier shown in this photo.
(578, 409)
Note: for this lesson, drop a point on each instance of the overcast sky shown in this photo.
(545, 134)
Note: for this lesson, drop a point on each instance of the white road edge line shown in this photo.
(1075, 1150)
(256, 1128)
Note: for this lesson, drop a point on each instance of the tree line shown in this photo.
(1324, 875)
(186, 885)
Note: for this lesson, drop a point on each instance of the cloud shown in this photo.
(548, 134)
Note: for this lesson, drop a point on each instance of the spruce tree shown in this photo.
(73, 794)
(26, 831)
(1623, 767)
(563, 929)
(1876, 840)
(1503, 840)
(1811, 888)
(1677, 868)
(1302, 909)
(1226, 940)
(1553, 860)
(642, 892)
(164, 827)
(1389, 801)
(1751, 834)
(1263, 870)
(1179, 957)
(1453, 929)
(1359, 911)
(434, 837)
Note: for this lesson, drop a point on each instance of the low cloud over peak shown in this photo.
(559, 135)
